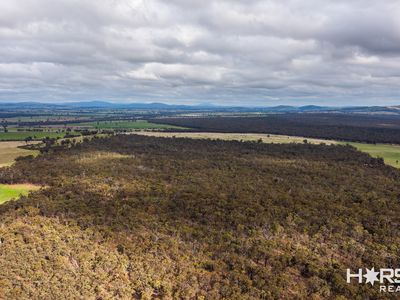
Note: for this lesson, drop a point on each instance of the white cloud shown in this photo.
(257, 51)
(365, 59)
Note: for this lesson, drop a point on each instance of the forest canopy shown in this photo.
(153, 218)
(344, 127)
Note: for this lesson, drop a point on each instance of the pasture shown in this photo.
(266, 138)
(14, 191)
(389, 153)
(22, 135)
(9, 151)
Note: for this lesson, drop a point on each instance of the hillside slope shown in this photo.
(134, 217)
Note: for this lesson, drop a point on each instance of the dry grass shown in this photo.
(26, 186)
(9, 151)
(266, 138)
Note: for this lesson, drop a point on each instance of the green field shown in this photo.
(8, 192)
(389, 153)
(139, 124)
(36, 135)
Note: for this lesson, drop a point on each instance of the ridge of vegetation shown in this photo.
(352, 128)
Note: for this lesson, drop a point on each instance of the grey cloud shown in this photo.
(261, 52)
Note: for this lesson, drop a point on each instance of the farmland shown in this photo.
(56, 130)
(14, 191)
(138, 124)
(9, 151)
(390, 153)
(245, 137)
(35, 135)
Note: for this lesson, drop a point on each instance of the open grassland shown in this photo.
(22, 135)
(389, 153)
(14, 191)
(139, 124)
(265, 138)
(9, 151)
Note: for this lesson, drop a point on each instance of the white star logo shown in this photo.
(371, 276)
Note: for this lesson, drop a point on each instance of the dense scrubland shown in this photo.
(390, 153)
(134, 217)
(345, 127)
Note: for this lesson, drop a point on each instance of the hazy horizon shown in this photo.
(190, 104)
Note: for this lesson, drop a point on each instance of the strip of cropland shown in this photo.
(35, 135)
(130, 124)
(259, 137)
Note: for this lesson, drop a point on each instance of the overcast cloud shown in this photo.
(342, 52)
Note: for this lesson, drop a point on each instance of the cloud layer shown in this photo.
(265, 52)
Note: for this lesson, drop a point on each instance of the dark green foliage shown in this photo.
(362, 128)
(141, 217)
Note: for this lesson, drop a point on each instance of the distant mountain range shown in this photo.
(101, 105)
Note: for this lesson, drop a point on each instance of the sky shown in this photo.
(270, 52)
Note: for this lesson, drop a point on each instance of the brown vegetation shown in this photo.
(134, 217)
(344, 127)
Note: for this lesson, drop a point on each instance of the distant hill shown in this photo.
(199, 107)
